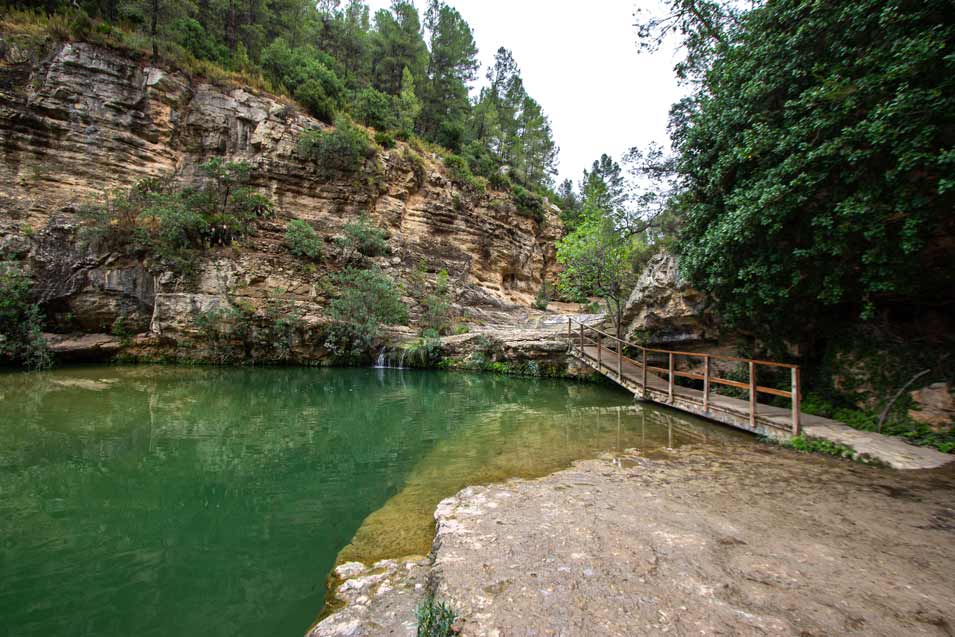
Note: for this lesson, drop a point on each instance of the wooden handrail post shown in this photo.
(796, 400)
(619, 359)
(670, 384)
(752, 394)
(581, 339)
(706, 383)
(600, 338)
(644, 372)
(570, 329)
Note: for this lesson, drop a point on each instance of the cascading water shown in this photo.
(386, 359)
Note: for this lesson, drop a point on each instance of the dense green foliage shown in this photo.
(816, 162)
(347, 148)
(435, 619)
(609, 238)
(302, 240)
(366, 300)
(21, 330)
(156, 216)
(238, 333)
(393, 71)
(363, 238)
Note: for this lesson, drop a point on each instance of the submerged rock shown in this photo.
(379, 599)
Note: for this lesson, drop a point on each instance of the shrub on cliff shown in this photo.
(362, 237)
(367, 299)
(346, 149)
(239, 333)
(156, 216)
(528, 203)
(302, 240)
(21, 332)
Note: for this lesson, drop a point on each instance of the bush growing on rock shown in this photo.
(346, 149)
(367, 299)
(435, 619)
(302, 240)
(21, 332)
(239, 333)
(418, 167)
(436, 304)
(529, 204)
(362, 237)
(173, 223)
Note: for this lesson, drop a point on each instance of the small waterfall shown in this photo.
(386, 359)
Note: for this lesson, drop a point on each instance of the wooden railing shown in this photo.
(707, 376)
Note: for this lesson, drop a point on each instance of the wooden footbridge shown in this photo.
(651, 375)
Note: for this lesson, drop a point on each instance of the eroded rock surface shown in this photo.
(78, 121)
(664, 309)
(379, 599)
(935, 405)
(735, 541)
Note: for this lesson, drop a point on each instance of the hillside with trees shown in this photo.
(400, 71)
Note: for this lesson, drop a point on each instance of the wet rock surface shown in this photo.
(379, 599)
(743, 541)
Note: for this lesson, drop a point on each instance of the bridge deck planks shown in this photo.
(770, 420)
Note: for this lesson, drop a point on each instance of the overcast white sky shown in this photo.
(580, 61)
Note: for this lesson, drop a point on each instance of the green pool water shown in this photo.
(194, 501)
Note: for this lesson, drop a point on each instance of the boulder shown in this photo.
(935, 406)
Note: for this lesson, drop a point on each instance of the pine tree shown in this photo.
(397, 44)
(408, 104)
(452, 67)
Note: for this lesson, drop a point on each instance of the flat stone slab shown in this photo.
(893, 451)
(745, 541)
(740, 539)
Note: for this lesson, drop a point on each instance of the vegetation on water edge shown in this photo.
(21, 325)
(808, 444)
(366, 300)
(435, 619)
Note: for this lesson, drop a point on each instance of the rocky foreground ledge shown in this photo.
(738, 540)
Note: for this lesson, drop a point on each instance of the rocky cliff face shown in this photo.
(77, 121)
(663, 310)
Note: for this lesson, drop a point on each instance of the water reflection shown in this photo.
(162, 501)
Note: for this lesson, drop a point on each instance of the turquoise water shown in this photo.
(195, 501)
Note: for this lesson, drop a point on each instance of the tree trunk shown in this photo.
(154, 30)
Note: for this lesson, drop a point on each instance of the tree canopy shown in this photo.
(815, 157)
